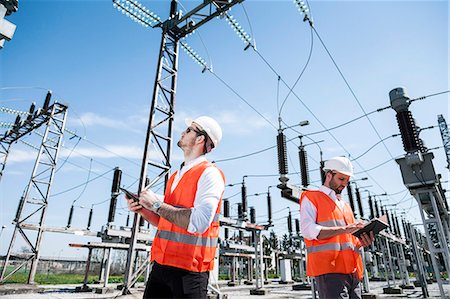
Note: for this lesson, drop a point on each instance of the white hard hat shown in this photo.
(339, 164)
(210, 126)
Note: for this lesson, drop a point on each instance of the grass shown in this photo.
(61, 278)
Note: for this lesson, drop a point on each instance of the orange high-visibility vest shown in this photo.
(338, 254)
(174, 246)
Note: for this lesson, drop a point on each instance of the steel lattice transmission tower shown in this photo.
(160, 125)
(33, 204)
(445, 137)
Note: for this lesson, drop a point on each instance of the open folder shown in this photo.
(376, 225)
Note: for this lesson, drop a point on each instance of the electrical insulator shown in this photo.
(239, 211)
(372, 212)
(269, 208)
(397, 226)
(350, 197)
(282, 157)
(226, 208)
(116, 180)
(408, 129)
(128, 220)
(226, 213)
(303, 158)
(360, 206)
(19, 209)
(244, 202)
(405, 229)
(47, 100)
(114, 193)
(31, 112)
(392, 223)
(388, 217)
(252, 215)
(377, 211)
(141, 221)
(69, 222)
(322, 173)
(90, 219)
(297, 226)
(383, 211)
(289, 223)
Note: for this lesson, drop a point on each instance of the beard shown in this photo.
(335, 187)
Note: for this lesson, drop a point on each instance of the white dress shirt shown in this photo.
(210, 188)
(308, 214)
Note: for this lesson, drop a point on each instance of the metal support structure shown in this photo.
(162, 110)
(38, 189)
(420, 272)
(436, 224)
(445, 137)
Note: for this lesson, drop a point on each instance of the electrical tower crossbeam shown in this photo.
(203, 13)
(38, 189)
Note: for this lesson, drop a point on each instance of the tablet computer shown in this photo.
(375, 225)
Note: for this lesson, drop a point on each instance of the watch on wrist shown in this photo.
(156, 205)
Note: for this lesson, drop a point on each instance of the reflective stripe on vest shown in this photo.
(332, 246)
(331, 223)
(187, 239)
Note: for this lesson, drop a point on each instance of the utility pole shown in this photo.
(162, 109)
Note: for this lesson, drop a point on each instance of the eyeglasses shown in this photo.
(189, 129)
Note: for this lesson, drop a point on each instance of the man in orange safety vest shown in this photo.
(327, 223)
(187, 217)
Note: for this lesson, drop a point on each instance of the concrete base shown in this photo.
(248, 282)
(417, 283)
(407, 286)
(392, 290)
(377, 279)
(83, 289)
(301, 287)
(232, 283)
(369, 296)
(266, 282)
(285, 282)
(259, 292)
(104, 290)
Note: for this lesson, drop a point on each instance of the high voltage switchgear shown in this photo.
(303, 159)
(419, 177)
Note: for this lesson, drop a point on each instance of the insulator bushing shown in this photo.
(377, 211)
(47, 100)
(350, 197)
(322, 173)
(69, 222)
(116, 180)
(408, 131)
(252, 215)
(90, 219)
(360, 206)
(240, 216)
(269, 208)
(226, 208)
(289, 223)
(297, 226)
(372, 212)
(303, 158)
(244, 201)
(282, 154)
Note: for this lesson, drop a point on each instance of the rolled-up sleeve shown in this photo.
(308, 215)
(210, 189)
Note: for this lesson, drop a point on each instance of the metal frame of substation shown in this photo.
(37, 192)
(421, 180)
(160, 124)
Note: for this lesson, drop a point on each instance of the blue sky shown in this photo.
(102, 65)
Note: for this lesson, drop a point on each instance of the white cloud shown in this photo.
(128, 123)
(21, 156)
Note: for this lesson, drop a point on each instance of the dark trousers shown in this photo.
(335, 285)
(170, 282)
